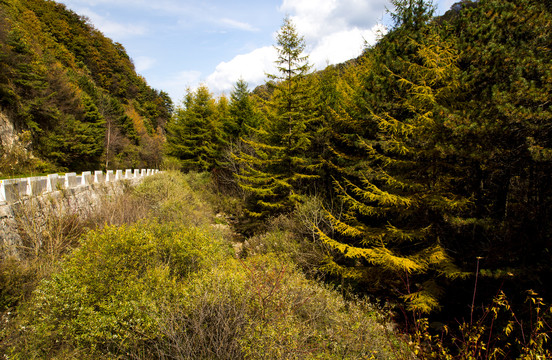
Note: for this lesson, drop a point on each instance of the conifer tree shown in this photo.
(276, 162)
(77, 144)
(243, 117)
(504, 123)
(194, 134)
(393, 174)
(411, 15)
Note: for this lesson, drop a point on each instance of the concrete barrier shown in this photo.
(54, 182)
(99, 176)
(37, 185)
(70, 180)
(87, 178)
(12, 190)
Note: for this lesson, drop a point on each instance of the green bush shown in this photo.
(171, 163)
(16, 278)
(167, 289)
(173, 196)
(264, 308)
(286, 238)
(108, 296)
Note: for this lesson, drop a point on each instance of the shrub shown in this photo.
(173, 196)
(169, 288)
(50, 226)
(16, 282)
(108, 296)
(498, 333)
(171, 163)
(287, 237)
(263, 308)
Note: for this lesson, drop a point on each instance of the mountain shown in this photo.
(71, 96)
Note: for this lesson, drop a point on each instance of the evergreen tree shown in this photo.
(194, 134)
(411, 15)
(504, 122)
(394, 175)
(49, 58)
(76, 144)
(276, 163)
(243, 117)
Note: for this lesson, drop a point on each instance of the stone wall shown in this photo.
(13, 190)
(68, 193)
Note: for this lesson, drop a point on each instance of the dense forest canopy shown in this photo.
(74, 94)
(430, 154)
(422, 169)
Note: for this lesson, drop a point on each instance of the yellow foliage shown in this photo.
(137, 120)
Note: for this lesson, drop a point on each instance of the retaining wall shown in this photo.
(13, 190)
(76, 193)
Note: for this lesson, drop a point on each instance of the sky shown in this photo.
(178, 44)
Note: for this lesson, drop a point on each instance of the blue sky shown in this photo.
(178, 44)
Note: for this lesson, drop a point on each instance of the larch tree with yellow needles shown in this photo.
(395, 174)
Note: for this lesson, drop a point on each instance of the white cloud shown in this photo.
(238, 25)
(251, 67)
(110, 28)
(334, 30)
(317, 19)
(143, 63)
(342, 46)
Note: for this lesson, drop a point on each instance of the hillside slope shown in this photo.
(72, 94)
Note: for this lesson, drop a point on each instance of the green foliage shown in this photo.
(243, 116)
(497, 334)
(263, 308)
(503, 123)
(194, 134)
(430, 150)
(397, 190)
(107, 297)
(75, 144)
(158, 289)
(276, 162)
(56, 68)
(175, 197)
(411, 15)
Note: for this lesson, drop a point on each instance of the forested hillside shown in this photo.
(426, 164)
(415, 179)
(72, 95)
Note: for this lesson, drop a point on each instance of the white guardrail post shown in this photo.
(13, 190)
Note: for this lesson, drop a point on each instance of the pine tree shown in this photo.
(194, 134)
(394, 175)
(77, 144)
(243, 117)
(504, 123)
(275, 164)
(411, 15)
